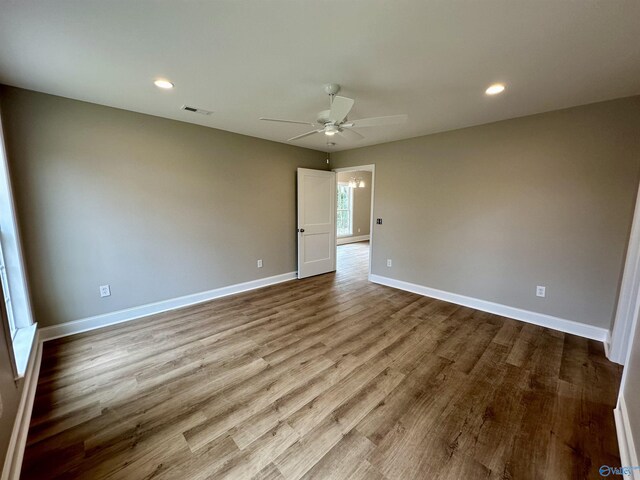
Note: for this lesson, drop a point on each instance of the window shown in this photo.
(15, 307)
(345, 210)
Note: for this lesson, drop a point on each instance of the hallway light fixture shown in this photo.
(356, 183)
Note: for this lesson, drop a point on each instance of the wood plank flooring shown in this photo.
(327, 377)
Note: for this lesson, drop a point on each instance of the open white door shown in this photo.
(316, 222)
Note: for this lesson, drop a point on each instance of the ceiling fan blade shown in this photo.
(286, 121)
(340, 108)
(350, 134)
(378, 121)
(304, 135)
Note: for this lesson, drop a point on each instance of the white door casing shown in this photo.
(366, 168)
(316, 222)
(629, 299)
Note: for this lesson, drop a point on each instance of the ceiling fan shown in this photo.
(334, 121)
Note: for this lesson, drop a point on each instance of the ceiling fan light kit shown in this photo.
(333, 122)
(331, 130)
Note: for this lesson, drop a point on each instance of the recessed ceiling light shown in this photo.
(495, 89)
(166, 84)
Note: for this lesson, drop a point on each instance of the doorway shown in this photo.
(354, 218)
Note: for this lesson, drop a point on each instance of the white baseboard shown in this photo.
(561, 324)
(359, 238)
(18, 440)
(628, 452)
(99, 321)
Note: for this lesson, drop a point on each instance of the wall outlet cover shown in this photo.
(105, 291)
(541, 291)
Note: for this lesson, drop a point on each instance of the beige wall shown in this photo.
(492, 211)
(156, 208)
(159, 209)
(361, 202)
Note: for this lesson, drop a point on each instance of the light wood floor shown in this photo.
(328, 377)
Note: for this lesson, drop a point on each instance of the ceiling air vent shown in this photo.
(195, 110)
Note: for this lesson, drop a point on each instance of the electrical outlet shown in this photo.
(358, 230)
(389, 262)
(541, 291)
(105, 291)
(260, 263)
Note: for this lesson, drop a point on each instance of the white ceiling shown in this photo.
(249, 58)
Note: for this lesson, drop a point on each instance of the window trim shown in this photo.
(350, 210)
(21, 335)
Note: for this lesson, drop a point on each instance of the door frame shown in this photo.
(628, 307)
(362, 168)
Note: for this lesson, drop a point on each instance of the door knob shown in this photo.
(301, 230)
